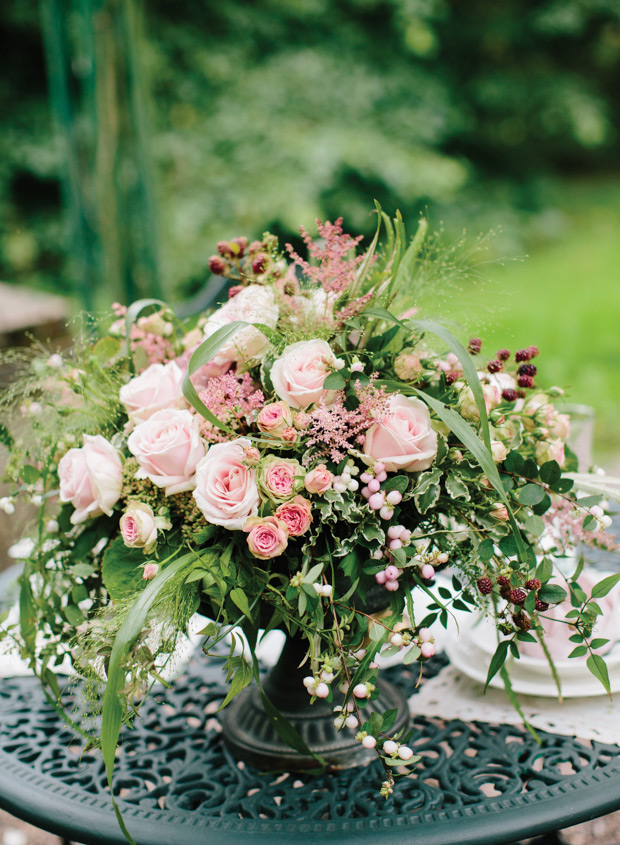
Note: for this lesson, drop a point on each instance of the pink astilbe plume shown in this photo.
(232, 399)
(334, 270)
(335, 429)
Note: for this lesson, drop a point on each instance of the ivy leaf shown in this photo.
(456, 488)
(122, 569)
(427, 490)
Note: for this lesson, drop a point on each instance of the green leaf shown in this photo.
(313, 573)
(122, 569)
(497, 661)
(563, 485)
(486, 550)
(534, 525)
(29, 474)
(482, 454)
(73, 615)
(469, 369)
(334, 381)
(550, 472)
(598, 667)
(112, 712)
(531, 494)
(204, 353)
(514, 463)
(579, 651)
(508, 546)
(544, 570)
(396, 482)
(242, 677)
(552, 593)
(605, 586)
(599, 642)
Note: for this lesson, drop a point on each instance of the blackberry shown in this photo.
(485, 585)
(217, 265)
(495, 366)
(451, 377)
(509, 395)
(475, 345)
(533, 584)
(238, 246)
(259, 262)
(533, 350)
(223, 247)
(525, 381)
(503, 354)
(517, 596)
(541, 605)
(522, 355)
(522, 621)
(503, 581)
(527, 370)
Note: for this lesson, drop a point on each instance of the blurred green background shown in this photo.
(135, 135)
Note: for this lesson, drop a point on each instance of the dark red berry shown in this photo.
(217, 265)
(517, 596)
(485, 585)
(533, 584)
(541, 605)
(527, 370)
(503, 354)
(522, 621)
(521, 394)
(503, 581)
(451, 377)
(238, 246)
(259, 262)
(475, 345)
(525, 381)
(522, 355)
(509, 395)
(495, 366)
(234, 290)
(223, 247)
(533, 350)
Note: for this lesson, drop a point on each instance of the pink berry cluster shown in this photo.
(424, 640)
(238, 259)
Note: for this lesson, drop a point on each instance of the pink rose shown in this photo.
(274, 418)
(403, 439)
(168, 448)
(297, 514)
(267, 537)
(91, 478)
(298, 375)
(159, 387)
(318, 480)
(226, 491)
(138, 527)
(253, 304)
(279, 478)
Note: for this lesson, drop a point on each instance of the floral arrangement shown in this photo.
(310, 442)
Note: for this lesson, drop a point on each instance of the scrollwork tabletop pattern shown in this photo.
(174, 773)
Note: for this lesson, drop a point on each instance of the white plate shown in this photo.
(471, 650)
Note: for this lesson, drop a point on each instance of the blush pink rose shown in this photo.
(91, 478)
(226, 491)
(298, 374)
(168, 448)
(297, 514)
(274, 418)
(403, 439)
(318, 480)
(267, 537)
(159, 387)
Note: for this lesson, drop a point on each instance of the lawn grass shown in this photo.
(565, 299)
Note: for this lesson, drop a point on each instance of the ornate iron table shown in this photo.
(476, 783)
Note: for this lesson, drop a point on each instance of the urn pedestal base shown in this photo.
(252, 737)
